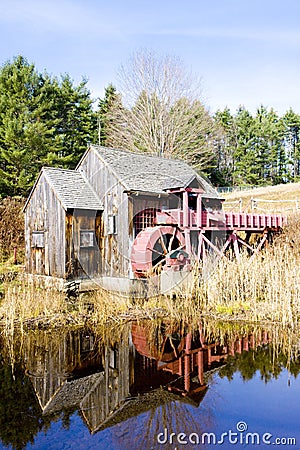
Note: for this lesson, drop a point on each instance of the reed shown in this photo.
(265, 288)
(24, 303)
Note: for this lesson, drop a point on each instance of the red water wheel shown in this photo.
(151, 247)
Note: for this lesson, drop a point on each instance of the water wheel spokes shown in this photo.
(162, 241)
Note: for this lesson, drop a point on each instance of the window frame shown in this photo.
(90, 242)
(38, 239)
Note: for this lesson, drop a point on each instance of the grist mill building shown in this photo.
(123, 220)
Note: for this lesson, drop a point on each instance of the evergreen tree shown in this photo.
(251, 149)
(77, 122)
(226, 147)
(106, 107)
(245, 164)
(26, 132)
(42, 121)
(268, 147)
(291, 123)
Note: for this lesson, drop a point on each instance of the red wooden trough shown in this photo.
(179, 237)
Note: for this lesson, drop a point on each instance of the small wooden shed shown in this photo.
(62, 224)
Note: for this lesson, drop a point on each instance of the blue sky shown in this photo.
(247, 52)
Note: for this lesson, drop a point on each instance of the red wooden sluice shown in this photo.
(209, 221)
(154, 246)
(193, 358)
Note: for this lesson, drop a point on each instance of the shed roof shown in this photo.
(71, 188)
(147, 173)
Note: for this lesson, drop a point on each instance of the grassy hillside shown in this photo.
(283, 198)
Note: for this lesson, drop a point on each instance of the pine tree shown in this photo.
(77, 122)
(43, 121)
(291, 123)
(106, 107)
(245, 165)
(269, 146)
(25, 132)
(226, 147)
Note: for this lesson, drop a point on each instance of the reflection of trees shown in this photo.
(48, 359)
(116, 375)
(171, 414)
(20, 414)
(261, 360)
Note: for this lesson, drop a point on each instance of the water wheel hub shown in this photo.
(153, 247)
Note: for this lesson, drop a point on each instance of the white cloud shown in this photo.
(291, 37)
(64, 16)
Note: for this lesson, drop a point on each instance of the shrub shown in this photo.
(11, 226)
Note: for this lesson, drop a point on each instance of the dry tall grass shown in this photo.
(260, 289)
(264, 288)
(23, 302)
(283, 199)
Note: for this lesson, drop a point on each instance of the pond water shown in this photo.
(150, 385)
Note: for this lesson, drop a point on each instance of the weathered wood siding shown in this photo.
(112, 389)
(44, 213)
(114, 244)
(52, 360)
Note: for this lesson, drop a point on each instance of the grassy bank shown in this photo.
(265, 288)
(278, 199)
(262, 289)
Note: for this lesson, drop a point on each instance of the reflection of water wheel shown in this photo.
(151, 248)
(170, 349)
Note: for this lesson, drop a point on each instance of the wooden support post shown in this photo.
(209, 356)
(199, 211)
(265, 337)
(245, 344)
(203, 252)
(201, 335)
(186, 211)
(200, 241)
(180, 367)
(200, 367)
(265, 237)
(187, 373)
(187, 362)
(252, 341)
(245, 243)
(187, 235)
(239, 346)
(236, 246)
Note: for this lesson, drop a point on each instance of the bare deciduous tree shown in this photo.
(161, 112)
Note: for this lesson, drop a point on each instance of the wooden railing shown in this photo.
(221, 220)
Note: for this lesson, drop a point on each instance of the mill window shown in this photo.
(38, 239)
(87, 238)
(112, 224)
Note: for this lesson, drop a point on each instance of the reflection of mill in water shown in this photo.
(186, 359)
(109, 384)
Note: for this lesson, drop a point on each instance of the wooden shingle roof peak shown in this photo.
(72, 188)
(148, 173)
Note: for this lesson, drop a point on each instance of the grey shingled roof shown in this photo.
(147, 173)
(72, 189)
